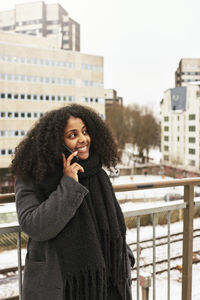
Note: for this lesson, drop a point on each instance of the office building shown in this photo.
(45, 20)
(180, 125)
(111, 98)
(37, 76)
(188, 72)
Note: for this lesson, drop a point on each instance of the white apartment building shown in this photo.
(37, 76)
(40, 19)
(180, 127)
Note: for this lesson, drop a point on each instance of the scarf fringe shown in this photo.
(87, 285)
(115, 258)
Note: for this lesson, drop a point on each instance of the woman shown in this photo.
(66, 205)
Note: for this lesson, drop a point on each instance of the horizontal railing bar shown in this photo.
(155, 209)
(9, 229)
(7, 198)
(156, 184)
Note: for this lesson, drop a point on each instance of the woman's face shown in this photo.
(76, 137)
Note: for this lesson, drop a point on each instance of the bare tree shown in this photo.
(115, 117)
(135, 125)
(145, 130)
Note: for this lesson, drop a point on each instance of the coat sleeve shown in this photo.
(43, 221)
(130, 255)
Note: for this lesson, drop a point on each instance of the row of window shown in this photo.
(94, 100)
(47, 62)
(190, 150)
(38, 61)
(40, 21)
(34, 97)
(191, 162)
(12, 133)
(37, 79)
(26, 97)
(48, 80)
(92, 83)
(6, 151)
(52, 31)
(191, 140)
(20, 115)
(12, 27)
(190, 117)
(92, 67)
(190, 80)
(29, 22)
(30, 31)
(191, 128)
(190, 73)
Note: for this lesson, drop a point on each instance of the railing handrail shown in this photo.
(7, 198)
(10, 197)
(156, 184)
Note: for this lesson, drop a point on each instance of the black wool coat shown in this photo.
(42, 221)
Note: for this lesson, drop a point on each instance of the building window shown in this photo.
(178, 138)
(166, 128)
(191, 151)
(192, 163)
(166, 148)
(166, 157)
(192, 139)
(192, 117)
(166, 138)
(192, 128)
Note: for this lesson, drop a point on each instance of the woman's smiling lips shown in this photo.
(82, 149)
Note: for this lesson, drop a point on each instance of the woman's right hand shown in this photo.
(71, 170)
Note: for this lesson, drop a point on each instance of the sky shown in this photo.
(141, 41)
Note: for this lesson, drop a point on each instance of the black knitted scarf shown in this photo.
(92, 246)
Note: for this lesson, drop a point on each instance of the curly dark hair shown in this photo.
(39, 153)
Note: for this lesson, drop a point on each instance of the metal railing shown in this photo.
(187, 205)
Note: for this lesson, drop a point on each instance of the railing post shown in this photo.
(19, 264)
(145, 283)
(187, 242)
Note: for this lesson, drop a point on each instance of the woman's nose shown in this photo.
(82, 138)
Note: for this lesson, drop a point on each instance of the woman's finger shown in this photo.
(70, 157)
(77, 167)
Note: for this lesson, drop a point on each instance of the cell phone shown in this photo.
(67, 153)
